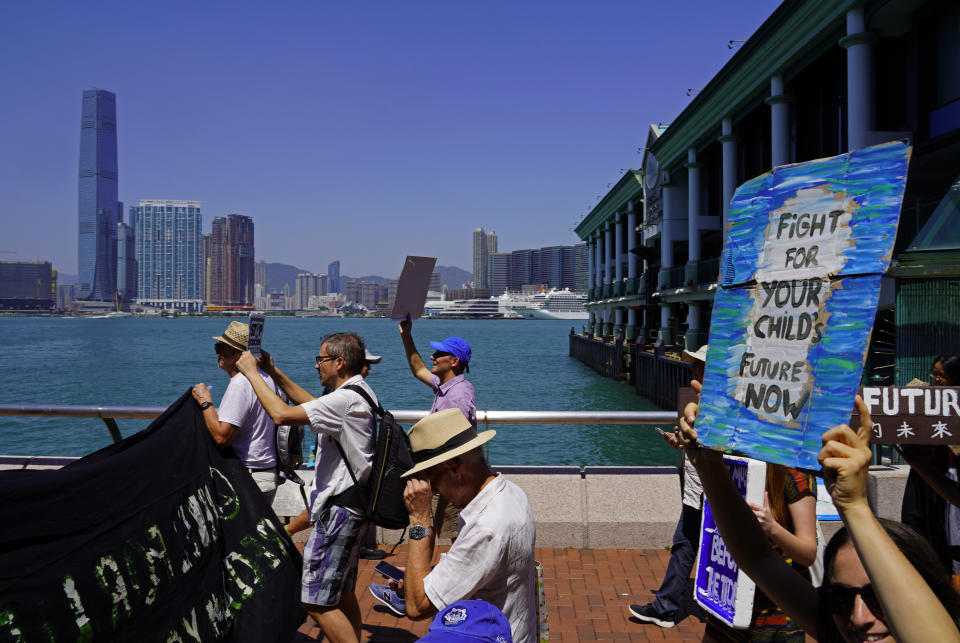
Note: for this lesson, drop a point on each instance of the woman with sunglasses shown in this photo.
(879, 587)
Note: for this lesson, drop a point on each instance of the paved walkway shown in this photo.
(587, 596)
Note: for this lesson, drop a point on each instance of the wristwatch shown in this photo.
(418, 532)
(205, 405)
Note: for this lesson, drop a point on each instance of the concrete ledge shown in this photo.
(593, 508)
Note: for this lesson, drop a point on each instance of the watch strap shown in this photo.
(205, 405)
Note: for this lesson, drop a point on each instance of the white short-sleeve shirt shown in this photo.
(255, 442)
(492, 558)
(344, 416)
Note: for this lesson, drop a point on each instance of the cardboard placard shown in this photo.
(912, 415)
(721, 588)
(412, 288)
(255, 333)
(805, 250)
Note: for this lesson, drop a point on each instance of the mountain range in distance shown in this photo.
(280, 274)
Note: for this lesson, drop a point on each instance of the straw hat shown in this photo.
(235, 336)
(699, 355)
(441, 436)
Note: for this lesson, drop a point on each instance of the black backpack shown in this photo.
(381, 497)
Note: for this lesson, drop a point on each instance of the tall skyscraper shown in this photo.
(309, 284)
(480, 259)
(499, 273)
(260, 274)
(168, 253)
(491, 243)
(126, 263)
(99, 211)
(333, 277)
(581, 267)
(229, 261)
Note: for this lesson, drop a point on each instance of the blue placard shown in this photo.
(805, 250)
(720, 587)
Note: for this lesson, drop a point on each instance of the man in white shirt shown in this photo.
(341, 417)
(241, 421)
(493, 557)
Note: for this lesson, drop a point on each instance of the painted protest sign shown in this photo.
(805, 249)
(721, 588)
(255, 333)
(912, 415)
(159, 537)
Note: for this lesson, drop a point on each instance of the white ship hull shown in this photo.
(529, 312)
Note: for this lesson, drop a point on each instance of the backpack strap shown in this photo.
(353, 497)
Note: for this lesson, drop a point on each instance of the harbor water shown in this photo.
(516, 365)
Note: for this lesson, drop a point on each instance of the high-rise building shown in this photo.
(169, 254)
(260, 274)
(366, 293)
(229, 261)
(499, 273)
(308, 284)
(333, 277)
(491, 242)
(126, 263)
(480, 259)
(581, 267)
(99, 210)
(27, 285)
(435, 285)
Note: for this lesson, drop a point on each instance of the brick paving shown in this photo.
(587, 592)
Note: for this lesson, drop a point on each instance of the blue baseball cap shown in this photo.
(469, 621)
(456, 346)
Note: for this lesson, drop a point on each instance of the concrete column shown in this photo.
(599, 256)
(631, 331)
(666, 233)
(632, 259)
(610, 252)
(608, 321)
(620, 321)
(695, 337)
(618, 257)
(693, 206)
(728, 142)
(779, 122)
(591, 253)
(860, 95)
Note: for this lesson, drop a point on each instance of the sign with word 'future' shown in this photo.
(806, 246)
(912, 414)
(721, 588)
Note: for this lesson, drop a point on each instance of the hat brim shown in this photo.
(694, 357)
(374, 359)
(481, 438)
(232, 343)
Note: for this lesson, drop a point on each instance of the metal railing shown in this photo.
(109, 415)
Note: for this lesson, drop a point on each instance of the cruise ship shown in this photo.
(554, 304)
(469, 309)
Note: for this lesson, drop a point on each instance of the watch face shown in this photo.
(417, 532)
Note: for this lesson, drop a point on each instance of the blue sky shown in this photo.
(359, 131)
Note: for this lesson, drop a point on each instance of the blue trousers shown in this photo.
(683, 553)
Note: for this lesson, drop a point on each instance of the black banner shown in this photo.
(160, 537)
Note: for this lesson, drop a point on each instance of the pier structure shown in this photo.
(816, 79)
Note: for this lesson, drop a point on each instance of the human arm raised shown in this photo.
(799, 544)
(911, 609)
(417, 497)
(741, 532)
(294, 391)
(414, 360)
(278, 410)
(221, 432)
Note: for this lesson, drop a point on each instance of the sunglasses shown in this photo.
(222, 349)
(322, 358)
(438, 354)
(839, 599)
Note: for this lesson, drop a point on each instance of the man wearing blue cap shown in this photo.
(451, 359)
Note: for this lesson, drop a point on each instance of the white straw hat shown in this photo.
(235, 336)
(441, 436)
(699, 355)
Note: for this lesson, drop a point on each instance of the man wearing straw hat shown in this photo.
(341, 417)
(241, 420)
(493, 557)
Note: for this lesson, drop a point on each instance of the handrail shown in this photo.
(406, 416)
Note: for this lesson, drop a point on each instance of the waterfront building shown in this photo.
(169, 254)
(366, 293)
(581, 268)
(99, 210)
(480, 258)
(333, 276)
(260, 274)
(807, 84)
(126, 263)
(27, 286)
(451, 294)
(66, 294)
(499, 272)
(229, 262)
(308, 285)
(435, 285)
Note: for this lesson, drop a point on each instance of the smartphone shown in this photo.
(388, 570)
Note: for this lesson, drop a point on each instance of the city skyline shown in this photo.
(367, 154)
